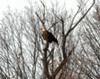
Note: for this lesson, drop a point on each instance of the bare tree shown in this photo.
(66, 55)
(89, 40)
(21, 45)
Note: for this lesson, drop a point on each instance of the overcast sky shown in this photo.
(19, 4)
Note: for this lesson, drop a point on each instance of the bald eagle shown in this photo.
(48, 36)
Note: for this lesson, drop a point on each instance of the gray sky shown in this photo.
(19, 4)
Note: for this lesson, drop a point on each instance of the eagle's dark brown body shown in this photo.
(49, 37)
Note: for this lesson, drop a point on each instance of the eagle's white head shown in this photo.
(42, 29)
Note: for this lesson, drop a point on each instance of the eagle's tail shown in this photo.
(56, 41)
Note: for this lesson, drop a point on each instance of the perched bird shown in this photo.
(48, 36)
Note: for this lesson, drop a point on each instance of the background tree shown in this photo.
(89, 39)
(21, 44)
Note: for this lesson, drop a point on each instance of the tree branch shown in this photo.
(63, 63)
(70, 30)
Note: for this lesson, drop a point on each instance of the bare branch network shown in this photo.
(50, 43)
